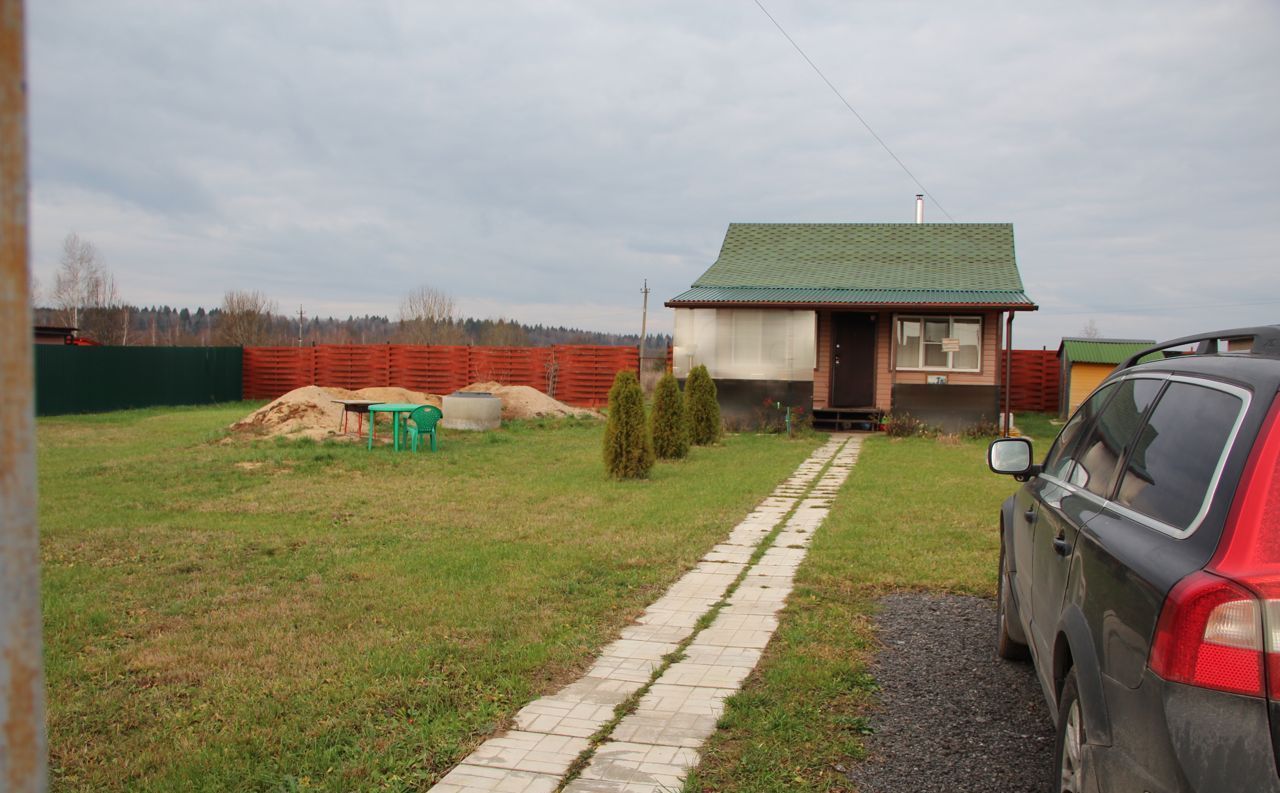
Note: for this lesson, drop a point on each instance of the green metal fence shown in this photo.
(95, 379)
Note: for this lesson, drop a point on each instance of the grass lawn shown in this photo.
(915, 514)
(294, 616)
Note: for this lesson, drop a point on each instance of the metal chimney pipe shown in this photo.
(919, 207)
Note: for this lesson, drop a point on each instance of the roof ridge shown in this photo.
(856, 223)
(1104, 341)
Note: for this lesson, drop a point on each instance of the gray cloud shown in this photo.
(541, 159)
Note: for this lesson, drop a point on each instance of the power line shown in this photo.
(855, 113)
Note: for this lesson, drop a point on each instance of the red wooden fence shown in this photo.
(577, 375)
(1034, 384)
(574, 374)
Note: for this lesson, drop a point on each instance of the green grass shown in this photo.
(915, 514)
(279, 616)
(1042, 428)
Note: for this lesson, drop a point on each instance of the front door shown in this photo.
(853, 360)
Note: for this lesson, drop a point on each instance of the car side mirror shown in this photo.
(1012, 456)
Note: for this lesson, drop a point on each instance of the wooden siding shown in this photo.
(886, 377)
(1082, 379)
(989, 359)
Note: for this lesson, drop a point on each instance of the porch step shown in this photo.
(847, 419)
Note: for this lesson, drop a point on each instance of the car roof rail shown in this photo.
(1265, 342)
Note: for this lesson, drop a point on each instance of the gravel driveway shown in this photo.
(951, 716)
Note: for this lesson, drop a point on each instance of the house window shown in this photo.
(952, 344)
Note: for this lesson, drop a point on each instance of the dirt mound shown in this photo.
(392, 394)
(310, 411)
(523, 402)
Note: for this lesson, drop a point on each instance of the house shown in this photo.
(1084, 363)
(54, 334)
(855, 320)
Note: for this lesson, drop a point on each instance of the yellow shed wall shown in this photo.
(1084, 378)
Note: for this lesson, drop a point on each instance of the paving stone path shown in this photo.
(672, 677)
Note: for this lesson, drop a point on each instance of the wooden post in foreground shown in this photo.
(23, 747)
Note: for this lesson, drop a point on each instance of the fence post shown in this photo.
(23, 747)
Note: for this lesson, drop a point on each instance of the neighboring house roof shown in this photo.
(863, 263)
(1109, 351)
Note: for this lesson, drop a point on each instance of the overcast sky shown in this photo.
(538, 160)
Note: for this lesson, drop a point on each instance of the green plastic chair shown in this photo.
(423, 422)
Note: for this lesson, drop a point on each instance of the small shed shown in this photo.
(1085, 363)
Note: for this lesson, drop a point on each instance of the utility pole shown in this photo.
(23, 746)
(644, 321)
(301, 317)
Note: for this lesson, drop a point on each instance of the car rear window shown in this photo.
(1168, 475)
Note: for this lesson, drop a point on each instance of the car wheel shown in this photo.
(1007, 647)
(1071, 740)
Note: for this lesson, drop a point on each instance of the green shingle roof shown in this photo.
(863, 263)
(883, 297)
(1112, 351)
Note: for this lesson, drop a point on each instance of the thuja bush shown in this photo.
(628, 452)
(701, 405)
(670, 431)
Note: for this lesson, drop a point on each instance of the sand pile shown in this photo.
(523, 402)
(310, 412)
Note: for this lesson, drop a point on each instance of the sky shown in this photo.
(540, 160)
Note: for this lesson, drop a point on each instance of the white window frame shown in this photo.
(919, 366)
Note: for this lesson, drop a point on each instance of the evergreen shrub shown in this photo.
(670, 431)
(702, 408)
(628, 452)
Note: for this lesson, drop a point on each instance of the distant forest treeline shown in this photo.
(179, 327)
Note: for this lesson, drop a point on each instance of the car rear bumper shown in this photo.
(1173, 738)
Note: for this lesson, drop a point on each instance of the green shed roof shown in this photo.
(1112, 351)
(887, 263)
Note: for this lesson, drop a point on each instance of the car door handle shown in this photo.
(1061, 547)
(1029, 515)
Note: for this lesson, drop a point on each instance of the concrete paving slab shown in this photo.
(598, 690)
(728, 656)
(529, 751)
(563, 717)
(669, 602)
(691, 673)
(608, 786)
(666, 698)
(665, 729)
(729, 553)
(632, 670)
(617, 761)
(682, 619)
(478, 779)
(649, 632)
(635, 649)
(741, 637)
(777, 555)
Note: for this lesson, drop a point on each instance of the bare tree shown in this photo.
(429, 316)
(85, 294)
(245, 319)
(1090, 330)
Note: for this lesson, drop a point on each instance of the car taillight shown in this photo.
(1219, 626)
(1210, 635)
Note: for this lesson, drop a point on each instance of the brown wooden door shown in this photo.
(853, 360)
